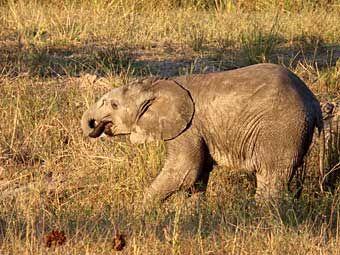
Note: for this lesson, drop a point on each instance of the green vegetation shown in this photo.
(57, 57)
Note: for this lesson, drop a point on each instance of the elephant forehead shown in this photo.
(117, 92)
(120, 94)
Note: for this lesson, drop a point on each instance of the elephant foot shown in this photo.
(149, 196)
(153, 197)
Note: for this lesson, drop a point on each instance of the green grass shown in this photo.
(57, 58)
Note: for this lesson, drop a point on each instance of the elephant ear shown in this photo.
(165, 111)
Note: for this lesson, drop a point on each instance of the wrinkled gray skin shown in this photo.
(259, 118)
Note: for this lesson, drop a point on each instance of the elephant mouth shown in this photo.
(100, 128)
(108, 129)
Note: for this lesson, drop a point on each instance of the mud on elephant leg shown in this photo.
(186, 167)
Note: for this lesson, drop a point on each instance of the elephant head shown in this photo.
(147, 110)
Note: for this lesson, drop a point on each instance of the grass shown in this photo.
(57, 58)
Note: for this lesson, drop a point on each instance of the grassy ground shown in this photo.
(57, 58)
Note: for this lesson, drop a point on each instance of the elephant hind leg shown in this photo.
(272, 187)
(266, 188)
(201, 183)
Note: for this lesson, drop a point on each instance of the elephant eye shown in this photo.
(114, 104)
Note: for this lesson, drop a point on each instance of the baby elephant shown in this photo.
(259, 118)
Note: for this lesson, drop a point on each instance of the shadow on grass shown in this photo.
(71, 60)
(50, 61)
(212, 60)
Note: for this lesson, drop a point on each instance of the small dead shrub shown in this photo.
(55, 238)
(118, 242)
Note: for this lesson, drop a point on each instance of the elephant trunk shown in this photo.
(88, 124)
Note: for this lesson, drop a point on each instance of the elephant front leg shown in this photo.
(187, 166)
(167, 182)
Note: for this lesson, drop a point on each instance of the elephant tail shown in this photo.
(321, 154)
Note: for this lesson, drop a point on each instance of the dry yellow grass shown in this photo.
(51, 177)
